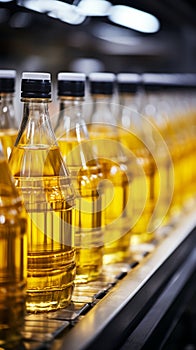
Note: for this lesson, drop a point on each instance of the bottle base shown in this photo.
(142, 237)
(48, 300)
(85, 274)
(117, 251)
(88, 264)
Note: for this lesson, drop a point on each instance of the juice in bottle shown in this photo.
(8, 122)
(13, 259)
(44, 181)
(116, 167)
(72, 135)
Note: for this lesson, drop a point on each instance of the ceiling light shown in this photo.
(134, 19)
(56, 9)
(38, 5)
(67, 13)
(94, 8)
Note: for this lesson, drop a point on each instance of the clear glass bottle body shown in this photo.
(8, 125)
(136, 135)
(13, 259)
(184, 140)
(189, 119)
(86, 174)
(118, 176)
(160, 108)
(44, 181)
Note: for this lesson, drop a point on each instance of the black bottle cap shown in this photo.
(7, 81)
(36, 85)
(128, 82)
(171, 81)
(71, 84)
(155, 82)
(183, 80)
(101, 83)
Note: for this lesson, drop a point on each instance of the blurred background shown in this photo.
(87, 35)
(97, 35)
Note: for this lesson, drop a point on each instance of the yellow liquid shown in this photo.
(13, 257)
(185, 146)
(176, 149)
(117, 190)
(7, 138)
(166, 163)
(49, 201)
(146, 189)
(88, 222)
(141, 233)
(117, 220)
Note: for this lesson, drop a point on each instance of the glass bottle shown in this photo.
(144, 140)
(73, 139)
(116, 167)
(180, 92)
(13, 258)
(133, 135)
(43, 178)
(188, 121)
(8, 122)
(160, 107)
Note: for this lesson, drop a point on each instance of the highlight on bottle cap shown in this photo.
(128, 78)
(71, 84)
(36, 85)
(155, 82)
(7, 73)
(36, 76)
(102, 77)
(71, 76)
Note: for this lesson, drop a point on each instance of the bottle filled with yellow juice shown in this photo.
(76, 148)
(136, 135)
(189, 121)
(13, 259)
(163, 107)
(8, 121)
(45, 184)
(117, 167)
(181, 87)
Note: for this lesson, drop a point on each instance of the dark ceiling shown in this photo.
(33, 40)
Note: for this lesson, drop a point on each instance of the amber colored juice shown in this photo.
(7, 138)
(86, 179)
(49, 202)
(146, 190)
(117, 189)
(185, 146)
(13, 254)
(177, 152)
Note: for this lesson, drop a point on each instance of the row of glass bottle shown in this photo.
(121, 183)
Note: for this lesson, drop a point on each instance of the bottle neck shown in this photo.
(35, 108)
(7, 111)
(129, 99)
(71, 106)
(7, 97)
(70, 114)
(102, 109)
(36, 126)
